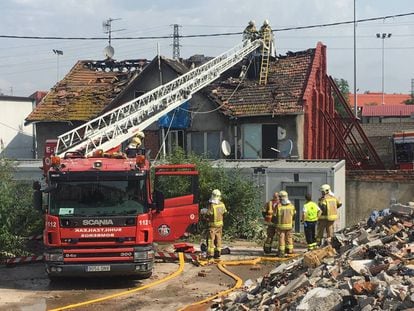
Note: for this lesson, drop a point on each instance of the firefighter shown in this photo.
(285, 213)
(250, 32)
(310, 214)
(216, 210)
(265, 28)
(268, 213)
(329, 205)
(135, 143)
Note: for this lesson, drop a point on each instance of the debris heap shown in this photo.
(369, 266)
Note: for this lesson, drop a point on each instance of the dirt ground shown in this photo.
(27, 287)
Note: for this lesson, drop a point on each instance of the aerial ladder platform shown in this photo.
(109, 130)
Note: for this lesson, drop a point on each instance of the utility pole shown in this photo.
(383, 36)
(57, 53)
(355, 67)
(176, 42)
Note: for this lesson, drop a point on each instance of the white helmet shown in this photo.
(325, 188)
(251, 23)
(283, 194)
(266, 22)
(216, 194)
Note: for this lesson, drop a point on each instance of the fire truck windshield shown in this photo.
(98, 198)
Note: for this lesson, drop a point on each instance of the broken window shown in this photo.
(258, 141)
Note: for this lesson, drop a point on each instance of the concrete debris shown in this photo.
(369, 266)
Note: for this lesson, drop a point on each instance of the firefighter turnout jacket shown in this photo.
(269, 210)
(329, 205)
(285, 215)
(215, 214)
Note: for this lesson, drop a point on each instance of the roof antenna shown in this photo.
(107, 28)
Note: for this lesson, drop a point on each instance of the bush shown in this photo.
(18, 219)
(240, 195)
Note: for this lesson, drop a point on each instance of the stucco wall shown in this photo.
(16, 140)
(373, 190)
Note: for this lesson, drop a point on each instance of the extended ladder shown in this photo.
(112, 128)
(266, 50)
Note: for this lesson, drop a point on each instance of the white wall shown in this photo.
(17, 139)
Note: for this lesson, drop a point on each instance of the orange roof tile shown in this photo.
(376, 99)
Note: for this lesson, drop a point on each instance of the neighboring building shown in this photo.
(387, 113)
(372, 99)
(16, 139)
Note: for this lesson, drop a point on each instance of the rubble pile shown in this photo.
(369, 266)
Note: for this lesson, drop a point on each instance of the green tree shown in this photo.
(17, 216)
(343, 87)
(241, 196)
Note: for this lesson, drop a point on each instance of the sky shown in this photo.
(28, 65)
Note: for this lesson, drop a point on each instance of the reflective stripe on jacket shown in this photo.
(329, 206)
(285, 214)
(311, 213)
(215, 212)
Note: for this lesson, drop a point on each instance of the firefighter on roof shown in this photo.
(285, 213)
(250, 32)
(216, 210)
(268, 213)
(329, 205)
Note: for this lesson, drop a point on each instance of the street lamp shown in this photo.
(383, 36)
(57, 52)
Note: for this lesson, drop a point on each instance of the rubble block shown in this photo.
(320, 299)
(314, 258)
(402, 209)
(293, 285)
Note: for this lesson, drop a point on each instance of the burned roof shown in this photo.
(86, 90)
(283, 94)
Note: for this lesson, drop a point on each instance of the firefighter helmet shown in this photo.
(216, 194)
(251, 23)
(283, 194)
(325, 188)
(266, 22)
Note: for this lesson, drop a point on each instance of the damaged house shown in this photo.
(280, 119)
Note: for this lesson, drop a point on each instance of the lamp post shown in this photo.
(383, 36)
(57, 52)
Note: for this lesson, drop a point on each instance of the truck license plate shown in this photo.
(98, 268)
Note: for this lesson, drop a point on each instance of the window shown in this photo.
(174, 139)
(205, 143)
(258, 139)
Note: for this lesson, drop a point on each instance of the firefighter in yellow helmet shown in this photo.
(285, 214)
(134, 144)
(268, 212)
(310, 214)
(216, 210)
(329, 205)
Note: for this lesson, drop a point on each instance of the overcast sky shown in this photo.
(30, 65)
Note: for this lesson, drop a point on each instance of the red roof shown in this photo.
(388, 111)
(376, 98)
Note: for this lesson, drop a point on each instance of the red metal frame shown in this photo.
(351, 143)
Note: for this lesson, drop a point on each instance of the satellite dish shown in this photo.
(225, 148)
(285, 147)
(109, 51)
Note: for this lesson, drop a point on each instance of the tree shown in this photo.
(343, 87)
(18, 219)
(241, 196)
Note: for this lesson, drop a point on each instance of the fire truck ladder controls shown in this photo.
(112, 128)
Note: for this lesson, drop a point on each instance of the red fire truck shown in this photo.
(101, 213)
(403, 147)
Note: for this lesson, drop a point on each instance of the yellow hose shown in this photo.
(169, 277)
(238, 280)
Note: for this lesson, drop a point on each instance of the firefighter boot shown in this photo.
(267, 249)
(216, 254)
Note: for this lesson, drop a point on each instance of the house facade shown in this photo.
(16, 139)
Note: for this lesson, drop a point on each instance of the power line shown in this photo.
(207, 35)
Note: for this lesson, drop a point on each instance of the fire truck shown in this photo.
(102, 213)
(403, 147)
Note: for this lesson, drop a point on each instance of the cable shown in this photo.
(206, 35)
